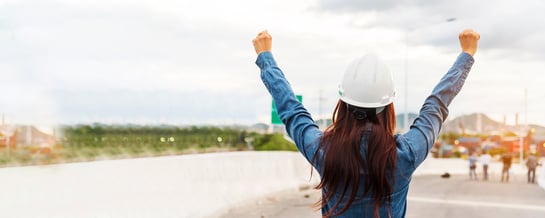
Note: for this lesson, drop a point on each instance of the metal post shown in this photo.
(406, 124)
(406, 115)
(521, 143)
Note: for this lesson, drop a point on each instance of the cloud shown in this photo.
(504, 25)
(121, 60)
(99, 61)
(357, 6)
(85, 46)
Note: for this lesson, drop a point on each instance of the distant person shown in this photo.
(473, 165)
(485, 161)
(506, 159)
(365, 167)
(532, 164)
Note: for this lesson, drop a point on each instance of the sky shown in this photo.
(186, 62)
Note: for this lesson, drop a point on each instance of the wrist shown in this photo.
(262, 50)
(471, 53)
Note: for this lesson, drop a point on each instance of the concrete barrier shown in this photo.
(201, 185)
(174, 186)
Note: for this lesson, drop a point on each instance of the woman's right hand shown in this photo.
(469, 41)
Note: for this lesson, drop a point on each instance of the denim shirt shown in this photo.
(412, 146)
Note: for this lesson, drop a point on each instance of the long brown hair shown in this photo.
(343, 163)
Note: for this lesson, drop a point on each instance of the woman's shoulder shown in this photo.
(404, 150)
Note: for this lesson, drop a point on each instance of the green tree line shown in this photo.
(117, 139)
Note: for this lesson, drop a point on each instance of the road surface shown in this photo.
(429, 196)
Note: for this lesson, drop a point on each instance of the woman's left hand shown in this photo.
(263, 42)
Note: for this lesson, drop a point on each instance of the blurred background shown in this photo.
(70, 65)
(84, 80)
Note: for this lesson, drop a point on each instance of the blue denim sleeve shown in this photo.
(433, 113)
(299, 123)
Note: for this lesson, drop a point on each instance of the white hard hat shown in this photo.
(367, 83)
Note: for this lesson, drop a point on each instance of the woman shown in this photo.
(365, 167)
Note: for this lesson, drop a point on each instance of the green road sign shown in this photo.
(275, 120)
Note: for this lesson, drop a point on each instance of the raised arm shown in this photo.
(293, 114)
(433, 113)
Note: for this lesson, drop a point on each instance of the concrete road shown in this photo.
(429, 196)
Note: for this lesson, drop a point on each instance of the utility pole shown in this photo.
(523, 130)
(406, 124)
(321, 116)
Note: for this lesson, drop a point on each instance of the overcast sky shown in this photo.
(192, 62)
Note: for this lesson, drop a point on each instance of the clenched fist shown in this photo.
(263, 42)
(469, 41)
